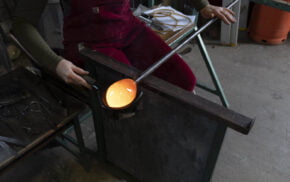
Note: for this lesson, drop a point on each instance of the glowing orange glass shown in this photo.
(121, 93)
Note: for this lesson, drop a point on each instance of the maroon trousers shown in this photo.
(109, 27)
(148, 48)
(141, 53)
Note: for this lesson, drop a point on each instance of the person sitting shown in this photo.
(108, 27)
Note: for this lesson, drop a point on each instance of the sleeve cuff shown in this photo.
(198, 5)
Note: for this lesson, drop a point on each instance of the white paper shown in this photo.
(171, 19)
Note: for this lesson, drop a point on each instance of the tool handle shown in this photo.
(89, 79)
(151, 69)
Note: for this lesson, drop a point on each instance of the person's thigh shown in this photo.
(148, 48)
(114, 53)
(71, 53)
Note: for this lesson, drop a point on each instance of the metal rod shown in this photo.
(98, 119)
(79, 135)
(64, 145)
(171, 53)
(70, 139)
(219, 90)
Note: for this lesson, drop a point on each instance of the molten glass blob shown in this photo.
(121, 93)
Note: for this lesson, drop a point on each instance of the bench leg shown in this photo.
(219, 90)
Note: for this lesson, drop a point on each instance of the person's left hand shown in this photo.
(211, 11)
(71, 74)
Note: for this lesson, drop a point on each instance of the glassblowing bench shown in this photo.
(169, 135)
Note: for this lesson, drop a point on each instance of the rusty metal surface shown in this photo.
(31, 111)
(171, 137)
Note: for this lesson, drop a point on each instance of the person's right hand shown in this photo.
(211, 11)
(71, 74)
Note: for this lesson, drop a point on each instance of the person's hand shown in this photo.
(211, 11)
(71, 74)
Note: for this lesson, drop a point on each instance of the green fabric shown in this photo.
(179, 4)
(24, 21)
(199, 4)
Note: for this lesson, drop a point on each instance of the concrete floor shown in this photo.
(256, 82)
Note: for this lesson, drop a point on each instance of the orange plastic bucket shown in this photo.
(269, 25)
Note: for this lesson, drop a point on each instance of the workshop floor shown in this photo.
(256, 81)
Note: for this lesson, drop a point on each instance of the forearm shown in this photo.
(29, 37)
(199, 4)
(25, 19)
